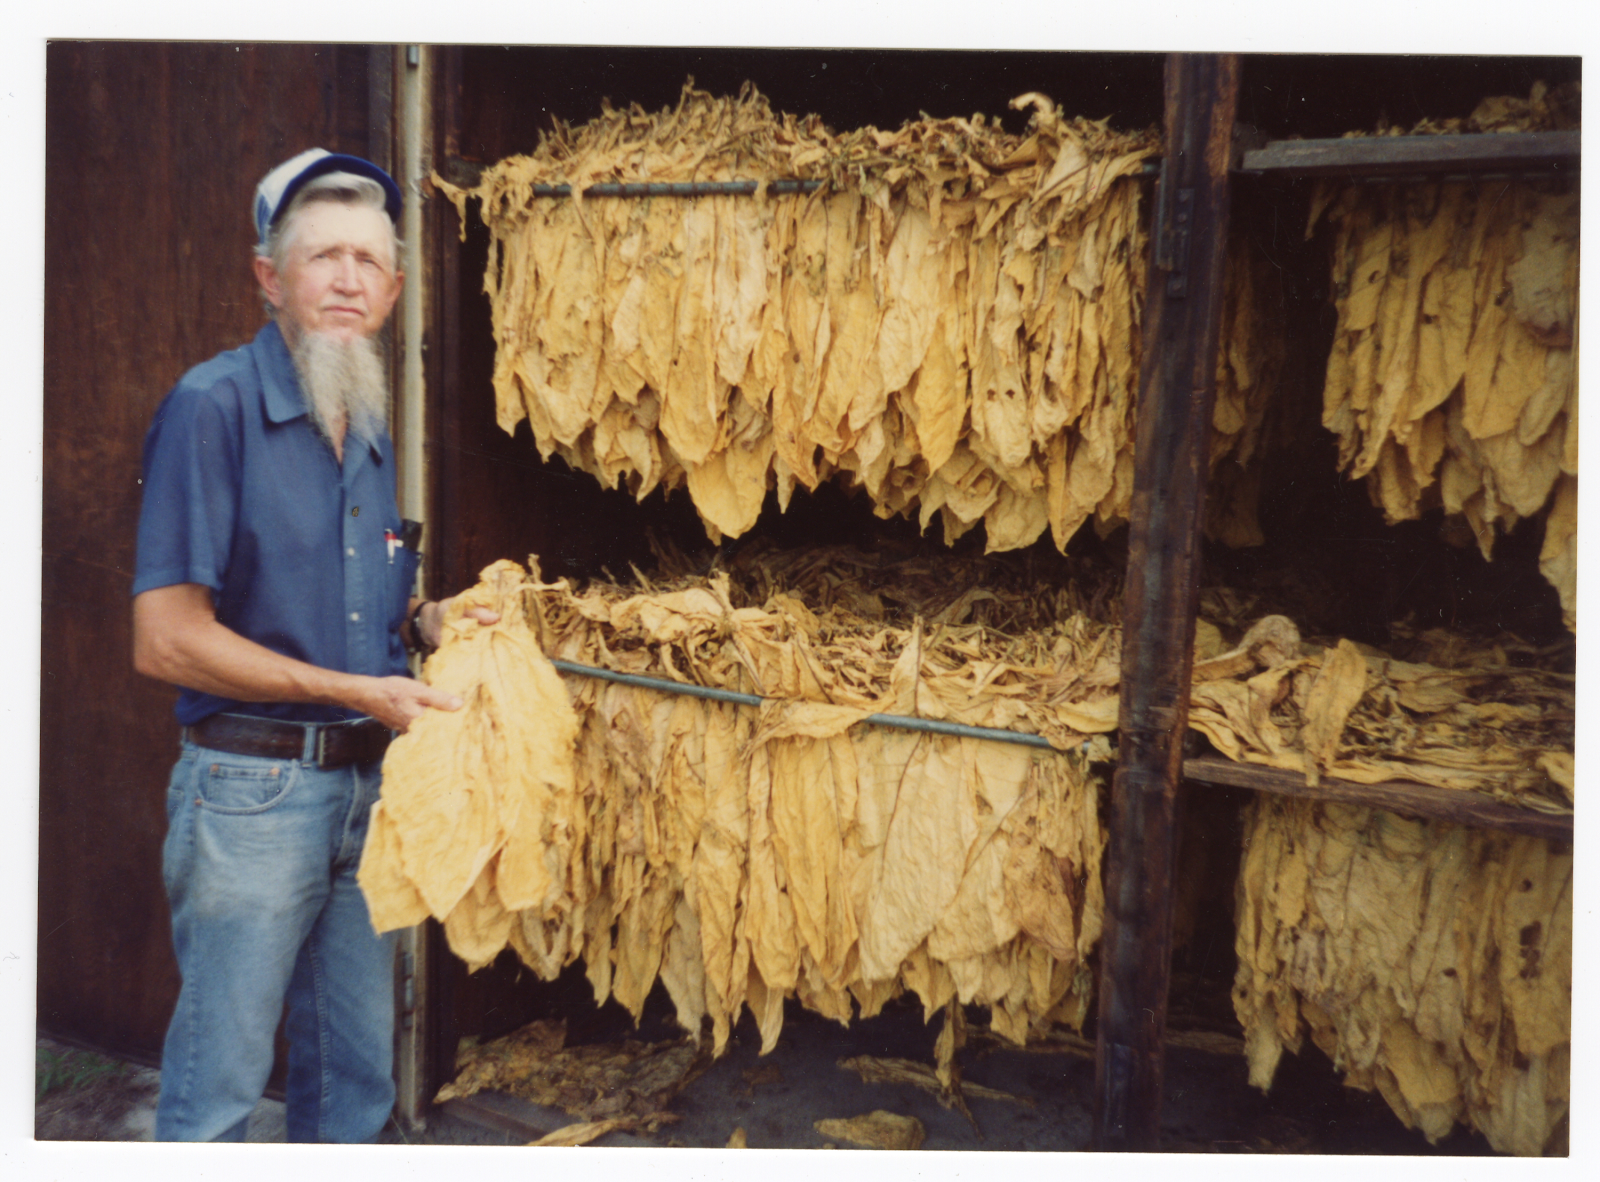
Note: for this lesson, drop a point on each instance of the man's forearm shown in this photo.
(178, 639)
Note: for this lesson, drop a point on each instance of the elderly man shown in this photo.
(273, 587)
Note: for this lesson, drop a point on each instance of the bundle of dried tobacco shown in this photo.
(1453, 374)
(1429, 961)
(950, 322)
(742, 856)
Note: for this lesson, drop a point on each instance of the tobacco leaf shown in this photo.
(876, 1130)
(584, 1132)
(628, 1081)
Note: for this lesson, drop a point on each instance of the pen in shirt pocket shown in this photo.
(391, 540)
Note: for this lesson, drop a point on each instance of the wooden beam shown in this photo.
(1177, 386)
(442, 573)
(1396, 796)
(1549, 152)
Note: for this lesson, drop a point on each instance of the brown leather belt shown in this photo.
(325, 744)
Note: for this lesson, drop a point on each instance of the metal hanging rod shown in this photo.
(899, 721)
(678, 188)
(468, 173)
(707, 188)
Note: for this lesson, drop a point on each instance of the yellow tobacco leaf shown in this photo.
(1339, 684)
(864, 330)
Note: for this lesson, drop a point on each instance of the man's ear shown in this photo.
(394, 292)
(267, 277)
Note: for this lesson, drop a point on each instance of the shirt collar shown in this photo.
(280, 385)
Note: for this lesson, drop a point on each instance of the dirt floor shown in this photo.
(776, 1100)
(1209, 1106)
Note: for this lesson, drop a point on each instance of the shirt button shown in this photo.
(355, 511)
(356, 616)
(351, 551)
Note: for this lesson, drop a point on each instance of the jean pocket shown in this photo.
(244, 788)
(180, 784)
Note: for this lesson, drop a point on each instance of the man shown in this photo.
(272, 586)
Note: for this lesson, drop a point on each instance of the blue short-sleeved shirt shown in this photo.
(243, 495)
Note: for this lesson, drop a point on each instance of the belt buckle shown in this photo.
(319, 749)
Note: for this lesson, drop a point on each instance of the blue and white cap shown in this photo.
(280, 185)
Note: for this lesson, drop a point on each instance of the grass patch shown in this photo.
(70, 1070)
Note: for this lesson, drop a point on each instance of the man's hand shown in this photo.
(397, 702)
(430, 622)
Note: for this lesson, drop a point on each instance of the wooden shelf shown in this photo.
(1415, 800)
(1554, 153)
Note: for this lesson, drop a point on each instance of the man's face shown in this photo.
(338, 277)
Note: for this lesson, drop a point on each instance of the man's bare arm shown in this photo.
(178, 639)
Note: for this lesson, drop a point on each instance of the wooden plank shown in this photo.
(1177, 388)
(1396, 796)
(1552, 152)
(445, 568)
(380, 130)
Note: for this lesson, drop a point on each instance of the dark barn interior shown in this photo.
(1330, 558)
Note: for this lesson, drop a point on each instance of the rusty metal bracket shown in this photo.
(1174, 223)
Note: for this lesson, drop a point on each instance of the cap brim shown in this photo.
(393, 203)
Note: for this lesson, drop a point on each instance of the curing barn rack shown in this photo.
(487, 497)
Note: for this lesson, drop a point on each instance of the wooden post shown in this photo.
(1183, 309)
(444, 573)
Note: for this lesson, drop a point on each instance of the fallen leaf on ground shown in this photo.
(876, 1130)
(890, 1070)
(584, 1132)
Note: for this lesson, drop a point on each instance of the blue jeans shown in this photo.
(260, 866)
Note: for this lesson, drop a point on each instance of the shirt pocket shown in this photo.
(402, 571)
(241, 788)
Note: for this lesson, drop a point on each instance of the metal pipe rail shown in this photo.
(706, 188)
(904, 722)
(467, 174)
(678, 188)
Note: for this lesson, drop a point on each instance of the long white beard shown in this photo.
(344, 384)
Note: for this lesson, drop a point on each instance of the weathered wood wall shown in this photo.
(152, 155)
